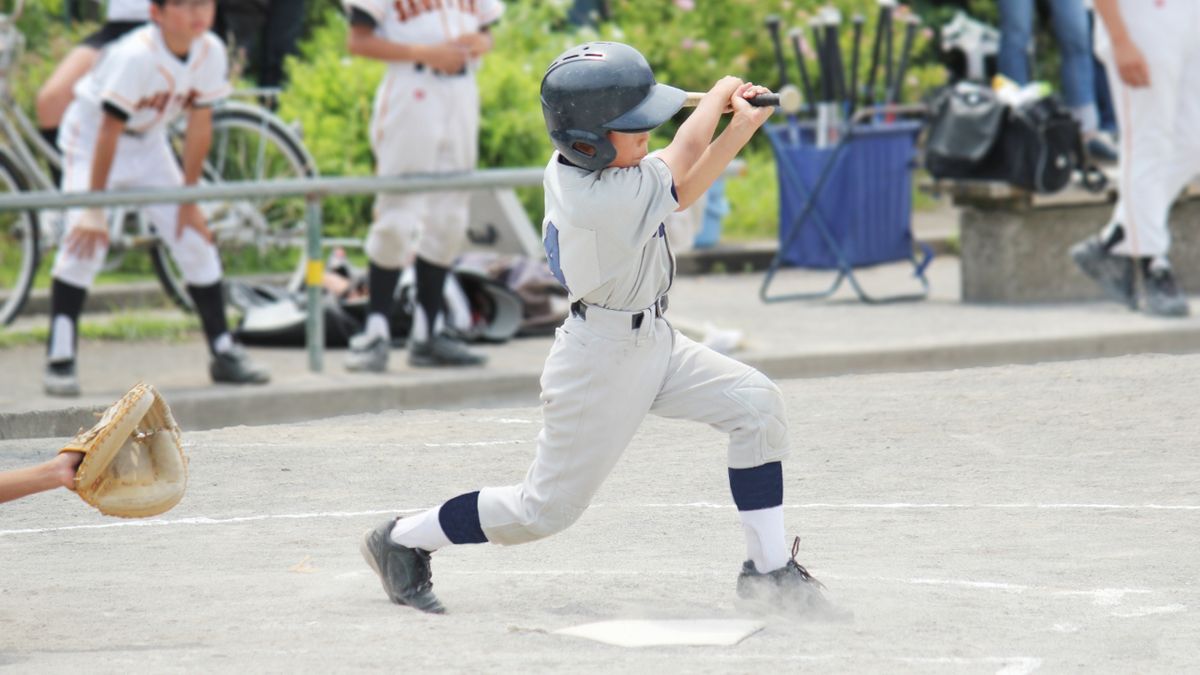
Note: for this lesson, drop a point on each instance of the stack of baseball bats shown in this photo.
(836, 92)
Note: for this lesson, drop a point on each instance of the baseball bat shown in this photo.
(796, 35)
(910, 32)
(852, 98)
(822, 59)
(772, 23)
(889, 61)
(875, 49)
(833, 45)
(788, 99)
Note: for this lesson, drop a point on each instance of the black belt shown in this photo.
(579, 309)
(420, 68)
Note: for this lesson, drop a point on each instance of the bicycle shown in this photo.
(249, 143)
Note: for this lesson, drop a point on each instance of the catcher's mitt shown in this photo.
(133, 464)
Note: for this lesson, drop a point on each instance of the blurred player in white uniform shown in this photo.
(1152, 54)
(115, 136)
(616, 358)
(121, 16)
(425, 120)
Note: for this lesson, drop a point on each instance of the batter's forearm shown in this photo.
(712, 162)
(1110, 14)
(104, 151)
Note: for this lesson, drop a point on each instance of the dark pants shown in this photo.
(264, 31)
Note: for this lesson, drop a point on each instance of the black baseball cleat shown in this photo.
(790, 588)
(1113, 273)
(404, 571)
(235, 367)
(442, 350)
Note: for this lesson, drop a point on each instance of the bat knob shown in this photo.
(772, 21)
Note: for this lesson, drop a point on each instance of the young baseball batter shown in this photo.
(616, 358)
(1153, 59)
(121, 17)
(425, 120)
(115, 135)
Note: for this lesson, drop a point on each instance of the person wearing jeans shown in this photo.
(1070, 23)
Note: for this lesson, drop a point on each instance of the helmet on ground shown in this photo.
(598, 87)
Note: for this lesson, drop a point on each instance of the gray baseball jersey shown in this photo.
(604, 233)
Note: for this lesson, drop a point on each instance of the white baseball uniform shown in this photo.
(1160, 124)
(423, 122)
(140, 79)
(128, 10)
(618, 359)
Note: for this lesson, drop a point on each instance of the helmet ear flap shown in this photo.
(585, 149)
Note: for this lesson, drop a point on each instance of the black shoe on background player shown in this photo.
(1114, 273)
(1160, 294)
(442, 350)
(233, 366)
(790, 589)
(60, 378)
(404, 571)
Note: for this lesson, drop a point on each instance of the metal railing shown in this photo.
(313, 190)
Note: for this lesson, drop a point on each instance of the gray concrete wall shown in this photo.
(1015, 250)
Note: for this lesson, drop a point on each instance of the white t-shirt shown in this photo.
(139, 76)
(426, 22)
(128, 10)
(604, 233)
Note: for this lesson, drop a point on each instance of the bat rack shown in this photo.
(848, 205)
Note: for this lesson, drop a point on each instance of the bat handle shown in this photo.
(764, 100)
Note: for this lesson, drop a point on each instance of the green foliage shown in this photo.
(122, 326)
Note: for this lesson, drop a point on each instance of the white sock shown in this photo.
(377, 326)
(223, 343)
(766, 540)
(422, 531)
(62, 342)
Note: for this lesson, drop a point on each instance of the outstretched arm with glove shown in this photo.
(56, 473)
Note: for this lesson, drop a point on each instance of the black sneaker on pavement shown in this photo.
(790, 588)
(368, 354)
(1114, 273)
(235, 367)
(442, 350)
(1161, 295)
(404, 571)
(60, 379)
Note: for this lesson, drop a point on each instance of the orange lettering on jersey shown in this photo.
(410, 9)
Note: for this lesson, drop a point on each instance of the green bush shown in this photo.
(331, 94)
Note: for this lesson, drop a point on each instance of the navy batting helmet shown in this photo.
(599, 87)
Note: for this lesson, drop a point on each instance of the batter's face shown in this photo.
(631, 148)
(184, 19)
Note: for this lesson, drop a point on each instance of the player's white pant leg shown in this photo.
(444, 232)
(733, 398)
(597, 387)
(403, 116)
(1184, 163)
(198, 260)
(1147, 118)
(77, 177)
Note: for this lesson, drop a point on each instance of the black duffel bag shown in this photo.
(1036, 146)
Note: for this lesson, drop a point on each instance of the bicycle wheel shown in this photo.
(254, 236)
(19, 250)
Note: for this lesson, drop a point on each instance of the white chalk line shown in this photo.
(205, 520)
(1008, 665)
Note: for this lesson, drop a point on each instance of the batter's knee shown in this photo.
(761, 434)
(512, 516)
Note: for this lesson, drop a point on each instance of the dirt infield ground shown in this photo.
(1013, 520)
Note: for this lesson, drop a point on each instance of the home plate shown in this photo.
(651, 633)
